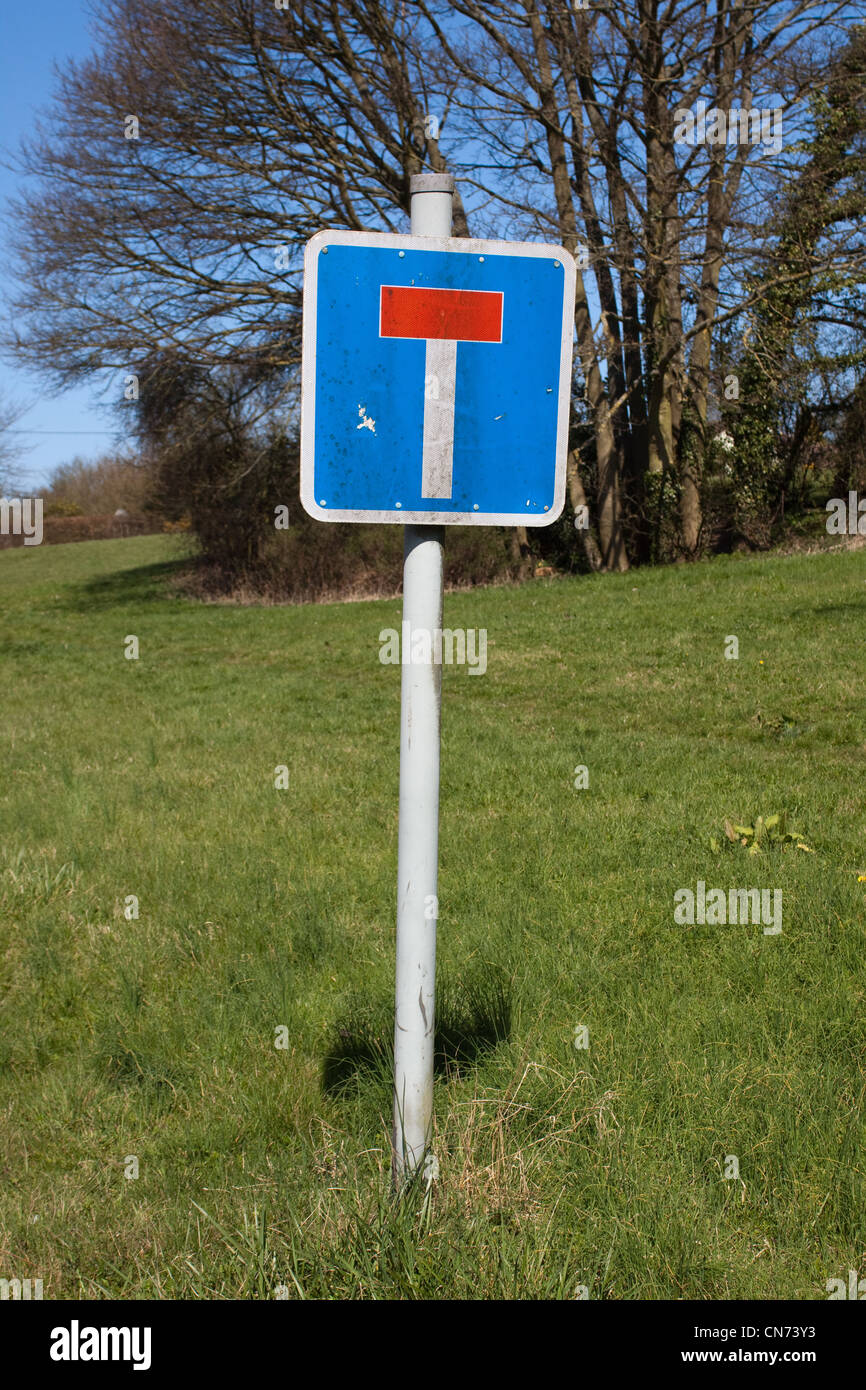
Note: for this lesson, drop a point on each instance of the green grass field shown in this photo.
(263, 909)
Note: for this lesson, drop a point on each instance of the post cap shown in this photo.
(431, 183)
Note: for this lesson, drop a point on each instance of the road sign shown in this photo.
(436, 379)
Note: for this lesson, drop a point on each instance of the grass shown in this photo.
(262, 1167)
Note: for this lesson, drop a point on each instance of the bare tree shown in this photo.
(10, 447)
(582, 111)
(184, 167)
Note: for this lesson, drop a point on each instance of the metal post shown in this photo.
(418, 845)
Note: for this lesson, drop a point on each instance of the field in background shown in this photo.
(63, 530)
(265, 909)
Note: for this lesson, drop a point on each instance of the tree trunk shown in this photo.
(610, 459)
(577, 497)
(521, 553)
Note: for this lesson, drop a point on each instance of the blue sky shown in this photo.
(34, 34)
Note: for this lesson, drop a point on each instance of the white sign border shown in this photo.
(470, 246)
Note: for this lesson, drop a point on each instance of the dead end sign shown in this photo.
(436, 379)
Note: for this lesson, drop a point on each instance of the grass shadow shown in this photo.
(824, 610)
(472, 1018)
(144, 584)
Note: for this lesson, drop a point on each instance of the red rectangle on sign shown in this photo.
(463, 316)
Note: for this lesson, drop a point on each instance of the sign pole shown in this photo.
(376, 447)
(418, 835)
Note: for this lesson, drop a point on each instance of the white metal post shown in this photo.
(418, 845)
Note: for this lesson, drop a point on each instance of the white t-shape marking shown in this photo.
(440, 387)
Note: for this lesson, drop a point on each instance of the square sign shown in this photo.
(436, 379)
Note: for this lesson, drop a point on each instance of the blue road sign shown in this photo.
(436, 379)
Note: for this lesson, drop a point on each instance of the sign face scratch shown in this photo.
(428, 344)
